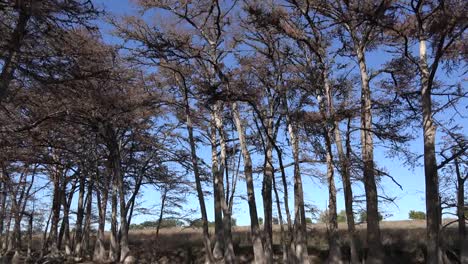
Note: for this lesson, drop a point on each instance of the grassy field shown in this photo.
(404, 241)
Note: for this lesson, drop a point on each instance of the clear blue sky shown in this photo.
(412, 179)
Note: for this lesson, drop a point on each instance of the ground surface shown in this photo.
(404, 241)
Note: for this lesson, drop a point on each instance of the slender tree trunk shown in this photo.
(284, 244)
(300, 225)
(56, 206)
(375, 249)
(327, 112)
(102, 196)
(334, 255)
(461, 214)
(3, 207)
(229, 256)
(79, 218)
(291, 235)
(256, 233)
(16, 239)
(353, 239)
(344, 164)
(123, 238)
(161, 212)
(268, 175)
(64, 234)
(87, 224)
(44, 235)
(30, 233)
(201, 197)
(434, 255)
(218, 250)
(6, 242)
(114, 243)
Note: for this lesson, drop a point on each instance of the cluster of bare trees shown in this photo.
(271, 88)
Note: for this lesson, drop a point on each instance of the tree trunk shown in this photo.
(3, 205)
(79, 218)
(99, 249)
(30, 233)
(201, 197)
(256, 234)
(218, 250)
(56, 206)
(461, 214)
(6, 241)
(87, 225)
(161, 212)
(284, 240)
(124, 246)
(64, 235)
(434, 255)
(375, 249)
(44, 235)
(267, 184)
(300, 225)
(334, 254)
(291, 236)
(229, 256)
(114, 243)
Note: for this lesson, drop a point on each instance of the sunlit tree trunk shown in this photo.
(194, 159)
(375, 249)
(300, 225)
(102, 193)
(345, 177)
(79, 217)
(114, 243)
(218, 250)
(268, 175)
(85, 242)
(434, 255)
(254, 226)
(229, 256)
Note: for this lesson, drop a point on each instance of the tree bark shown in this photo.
(194, 159)
(256, 234)
(218, 250)
(229, 256)
(87, 224)
(463, 244)
(79, 218)
(348, 192)
(102, 199)
(375, 248)
(434, 255)
(56, 206)
(300, 225)
(114, 243)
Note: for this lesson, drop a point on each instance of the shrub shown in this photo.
(417, 215)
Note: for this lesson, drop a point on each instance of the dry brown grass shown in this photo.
(403, 240)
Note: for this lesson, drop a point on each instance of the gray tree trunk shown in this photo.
(201, 198)
(375, 249)
(229, 255)
(434, 255)
(79, 218)
(256, 233)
